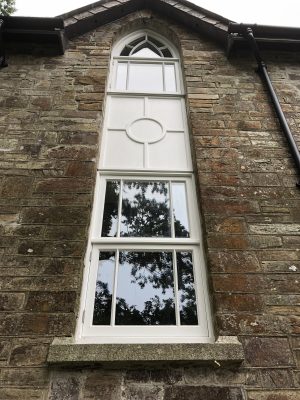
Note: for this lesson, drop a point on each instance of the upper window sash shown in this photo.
(146, 75)
(186, 195)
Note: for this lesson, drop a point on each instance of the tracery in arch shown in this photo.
(146, 46)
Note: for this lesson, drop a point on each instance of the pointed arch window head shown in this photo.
(146, 46)
(144, 62)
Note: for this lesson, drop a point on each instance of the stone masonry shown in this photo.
(50, 123)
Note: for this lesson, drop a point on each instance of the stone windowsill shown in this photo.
(227, 350)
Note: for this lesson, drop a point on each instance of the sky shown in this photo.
(276, 12)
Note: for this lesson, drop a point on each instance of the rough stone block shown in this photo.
(5, 347)
(54, 215)
(233, 261)
(271, 395)
(103, 385)
(277, 378)
(17, 186)
(51, 301)
(238, 302)
(143, 392)
(11, 301)
(25, 377)
(29, 354)
(268, 352)
(203, 392)
(64, 387)
(22, 394)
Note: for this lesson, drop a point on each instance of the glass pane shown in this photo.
(121, 76)
(145, 52)
(145, 209)
(166, 52)
(126, 51)
(145, 77)
(110, 213)
(137, 41)
(104, 288)
(181, 223)
(156, 42)
(170, 79)
(145, 293)
(186, 289)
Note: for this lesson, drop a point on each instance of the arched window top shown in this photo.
(145, 62)
(144, 44)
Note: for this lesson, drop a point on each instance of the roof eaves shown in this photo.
(268, 37)
(34, 30)
(208, 24)
(87, 20)
(89, 17)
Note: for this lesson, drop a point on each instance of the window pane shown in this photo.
(145, 291)
(104, 288)
(155, 41)
(137, 41)
(166, 52)
(121, 76)
(145, 209)
(181, 223)
(126, 51)
(110, 213)
(170, 79)
(145, 77)
(186, 289)
(146, 50)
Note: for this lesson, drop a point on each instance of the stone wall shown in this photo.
(50, 119)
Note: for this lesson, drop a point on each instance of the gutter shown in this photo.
(16, 32)
(247, 33)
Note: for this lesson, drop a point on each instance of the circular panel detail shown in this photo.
(145, 130)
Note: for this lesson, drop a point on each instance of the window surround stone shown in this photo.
(227, 350)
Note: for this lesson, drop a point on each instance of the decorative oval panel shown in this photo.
(145, 130)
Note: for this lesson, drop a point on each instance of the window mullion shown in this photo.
(164, 76)
(114, 297)
(146, 105)
(120, 208)
(176, 291)
(127, 75)
(171, 211)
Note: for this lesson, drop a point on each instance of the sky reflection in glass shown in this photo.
(145, 293)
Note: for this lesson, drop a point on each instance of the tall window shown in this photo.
(145, 276)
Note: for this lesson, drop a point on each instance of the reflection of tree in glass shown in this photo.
(145, 209)
(180, 230)
(152, 267)
(103, 297)
(110, 213)
(102, 307)
(146, 213)
(186, 288)
(155, 312)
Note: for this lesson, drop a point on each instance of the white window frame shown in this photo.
(86, 332)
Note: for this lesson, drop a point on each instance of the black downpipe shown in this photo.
(262, 69)
(3, 62)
